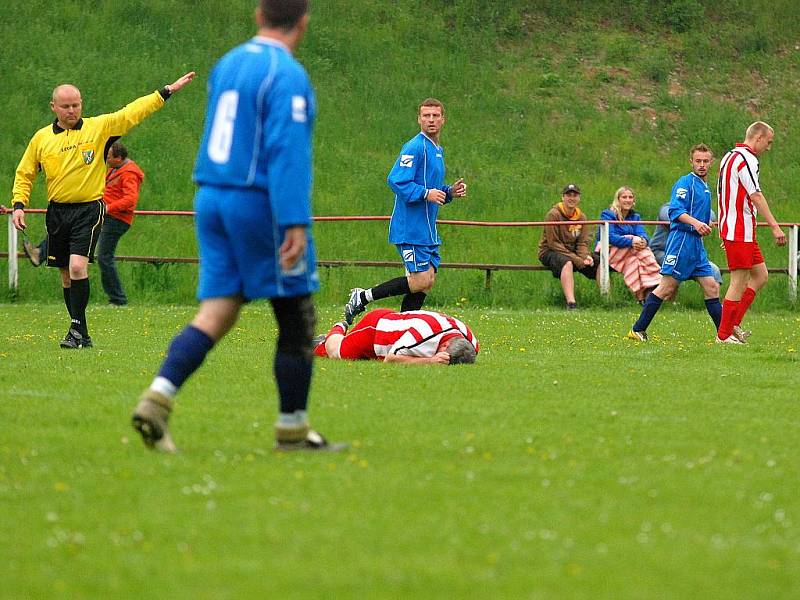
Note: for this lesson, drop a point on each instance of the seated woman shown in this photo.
(628, 251)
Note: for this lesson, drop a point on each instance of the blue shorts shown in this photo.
(418, 259)
(239, 240)
(685, 256)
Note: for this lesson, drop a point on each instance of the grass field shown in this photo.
(538, 93)
(568, 463)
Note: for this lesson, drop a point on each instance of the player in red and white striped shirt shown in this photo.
(418, 336)
(740, 200)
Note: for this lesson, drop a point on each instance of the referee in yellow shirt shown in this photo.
(71, 151)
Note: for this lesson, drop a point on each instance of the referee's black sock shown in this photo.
(394, 287)
(413, 301)
(66, 300)
(78, 300)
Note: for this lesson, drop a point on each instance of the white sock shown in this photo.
(288, 420)
(368, 295)
(164, 386)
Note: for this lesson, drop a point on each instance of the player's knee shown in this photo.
(296, 321)
(421, 282)
(712, 289)
(78, 271)
(215, 318)
(333, 346)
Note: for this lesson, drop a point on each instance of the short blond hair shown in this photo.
(756, 129)
(699, 148)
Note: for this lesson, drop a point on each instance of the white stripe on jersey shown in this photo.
(416, 333)
(738, 180)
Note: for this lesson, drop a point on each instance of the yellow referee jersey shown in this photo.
(73, 160)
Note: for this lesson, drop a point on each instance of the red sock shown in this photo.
(747, 299)
(729, 310)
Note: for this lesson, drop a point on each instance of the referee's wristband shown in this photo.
(19, 206)
(165, 92)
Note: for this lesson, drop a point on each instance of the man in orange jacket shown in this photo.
(123, 180)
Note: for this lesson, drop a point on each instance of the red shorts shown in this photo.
(359, 343)
(743, 255)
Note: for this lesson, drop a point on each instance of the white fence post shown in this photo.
(793, 256)
(13, 266)
(605, 284)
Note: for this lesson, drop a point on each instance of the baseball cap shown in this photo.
(571, 187)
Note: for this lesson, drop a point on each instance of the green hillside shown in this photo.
(537, 94)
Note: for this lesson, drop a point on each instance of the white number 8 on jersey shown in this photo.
(221, 138)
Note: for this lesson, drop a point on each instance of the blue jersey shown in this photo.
(617, 232)
(258, 128)
(419, 168)
(684, 255)
(690, 195)
(254, 172)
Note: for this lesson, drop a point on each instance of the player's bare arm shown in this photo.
(760, 202)
(436, 196)
(440, 358)
(701, 228)
(293, 246)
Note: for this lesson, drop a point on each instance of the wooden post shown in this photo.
(13, 263)
(793, 256)
(603, 274)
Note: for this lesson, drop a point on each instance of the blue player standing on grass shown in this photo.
(253, 218)
(417, 180)
(685, 256)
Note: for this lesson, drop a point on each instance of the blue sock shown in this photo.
(714, 308)
(186, 353)
(649, 310)
(293, 374)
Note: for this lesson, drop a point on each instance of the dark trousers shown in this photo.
(113, 229)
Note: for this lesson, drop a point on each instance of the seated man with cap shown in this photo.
(564, 248)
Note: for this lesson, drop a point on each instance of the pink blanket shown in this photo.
(639, 268)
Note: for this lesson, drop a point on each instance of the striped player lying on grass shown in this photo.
(418, 336)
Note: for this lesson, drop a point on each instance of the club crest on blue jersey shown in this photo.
(88, 156)
(681, 192)
(407, 160)
(299, 112)
(671, 260)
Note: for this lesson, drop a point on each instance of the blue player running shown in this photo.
(253, 218)
(417, 180)
(685, 256)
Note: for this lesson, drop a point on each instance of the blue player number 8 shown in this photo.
(221, 138)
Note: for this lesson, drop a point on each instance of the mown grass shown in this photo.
(537, 94)
(567, 463)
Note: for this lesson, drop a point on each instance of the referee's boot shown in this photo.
(74, 340)
(150, 420)
(302, 437)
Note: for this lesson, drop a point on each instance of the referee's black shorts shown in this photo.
(72, 228)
